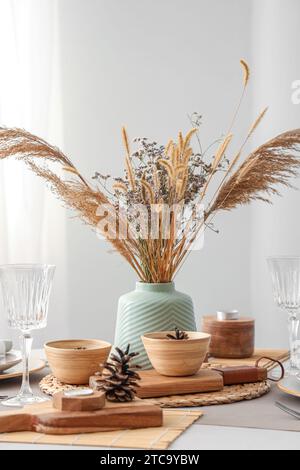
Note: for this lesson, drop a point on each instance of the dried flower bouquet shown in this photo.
(158, 176)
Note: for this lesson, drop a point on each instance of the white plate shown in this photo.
(11, 359)
(35, 364)
(290, 385)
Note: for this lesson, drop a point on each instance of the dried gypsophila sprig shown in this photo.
(152, 171)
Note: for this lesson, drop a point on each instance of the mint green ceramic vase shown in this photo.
(151, 307)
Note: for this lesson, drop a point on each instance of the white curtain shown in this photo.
(32, 225)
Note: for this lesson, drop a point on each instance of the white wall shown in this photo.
(275, 230)
(147, 64)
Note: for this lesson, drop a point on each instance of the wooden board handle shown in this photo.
(17, 422)
(74, 422)
(242, 374)
(120, 417)
(67, 431)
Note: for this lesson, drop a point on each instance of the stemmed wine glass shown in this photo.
(285, 274)
(26, 290)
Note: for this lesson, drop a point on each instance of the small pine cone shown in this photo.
(184, 335)
(178, 335)
(119, 380)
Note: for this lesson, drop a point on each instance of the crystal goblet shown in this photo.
(285, 274)
(26, 291)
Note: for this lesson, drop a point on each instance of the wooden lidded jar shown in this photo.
(230, 338)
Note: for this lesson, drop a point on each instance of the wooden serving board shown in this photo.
(43, 418)
(156, 385)
(279, 354)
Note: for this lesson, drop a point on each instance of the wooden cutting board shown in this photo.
(43, 418)
(156, 385)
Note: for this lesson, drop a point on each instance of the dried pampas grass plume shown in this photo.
(76, 193)
(271, 164)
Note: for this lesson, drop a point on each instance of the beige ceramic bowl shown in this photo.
(176, 357)
(74, 361)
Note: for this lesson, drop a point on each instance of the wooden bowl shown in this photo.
(74, 361)
(176, 357)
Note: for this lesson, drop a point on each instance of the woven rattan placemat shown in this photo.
(230, 394)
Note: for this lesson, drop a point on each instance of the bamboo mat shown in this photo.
(175, 423)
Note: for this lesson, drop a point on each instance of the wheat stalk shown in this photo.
(246, 76)
(168, 166)
(246, 70)
(128, 164)
(149, 190)
(120, 186)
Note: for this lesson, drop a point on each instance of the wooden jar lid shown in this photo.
(230, 338)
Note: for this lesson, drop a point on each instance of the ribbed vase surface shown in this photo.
(151, 307)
